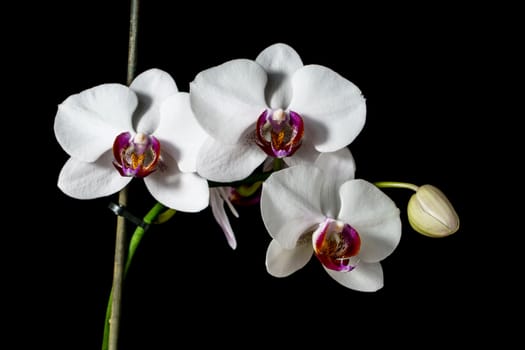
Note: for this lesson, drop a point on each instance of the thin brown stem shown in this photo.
(118, 274)
(118, 267)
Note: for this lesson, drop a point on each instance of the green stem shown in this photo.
(248, 190)
(133, 244)
(139, 232)
(395, 184)
(165, 216)
(277, 164)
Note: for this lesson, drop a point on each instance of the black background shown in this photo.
(424, 73)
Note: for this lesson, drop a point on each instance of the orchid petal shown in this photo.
(225, 163)
(282, 262)
(228, 99)
(306, 154)
(82, 180)
(219, 213)
(374, 215)
(338, 167)
(280, 62)
(187, 192)
(87, 123)
(179, 132)
(290, 203)
(332, 107)
(366, 277)
(151, 87)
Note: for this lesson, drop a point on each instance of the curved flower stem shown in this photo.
(133, 244)
(395, 184)
(139, 232)
(116, 290)
(277, 164)
(165, 216)
(249, 190)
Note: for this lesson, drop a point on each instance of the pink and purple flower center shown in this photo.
(136, 156)
(336, 245)
(279, 133)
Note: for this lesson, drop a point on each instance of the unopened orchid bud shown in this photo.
(431, 213)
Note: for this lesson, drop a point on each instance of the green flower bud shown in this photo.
(431, 213)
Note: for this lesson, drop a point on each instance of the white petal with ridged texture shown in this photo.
(226, 163)
(375, 217)
(280, 62)
(366, 277)
(219, 213)
(283, 262)
(179, 132)
(87, 123)
(290, 203)
(306, 154)
(332, 107)
(151, 87)
(338, 167)
(84, 180)
(379, 241)
(228, 99)
(187, 192)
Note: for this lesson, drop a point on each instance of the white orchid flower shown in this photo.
(272, 107)
(114, 133)
(348, 224)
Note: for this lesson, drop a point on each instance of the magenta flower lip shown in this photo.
(279, 134)
(136, 156)
(336, 245)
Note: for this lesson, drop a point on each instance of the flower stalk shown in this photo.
(396, 184)
(429, 211)
(118, 267)
(118, 276)
(151, 217)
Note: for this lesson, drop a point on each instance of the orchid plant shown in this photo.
(271, 132)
